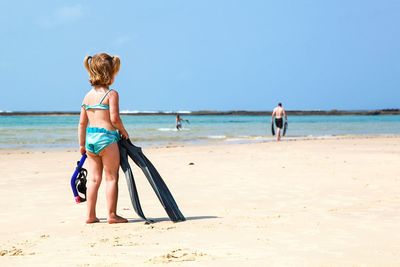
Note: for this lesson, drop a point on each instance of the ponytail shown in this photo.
(116, 63)
(86, 63)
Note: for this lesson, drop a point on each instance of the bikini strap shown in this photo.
(102, 99)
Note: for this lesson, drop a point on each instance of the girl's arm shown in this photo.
(114, 114)
(83, 122)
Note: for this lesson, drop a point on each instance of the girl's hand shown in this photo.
(124, 134)
(82, 150)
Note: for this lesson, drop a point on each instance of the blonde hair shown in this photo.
(102, 68)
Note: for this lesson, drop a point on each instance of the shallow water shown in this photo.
(61, 131)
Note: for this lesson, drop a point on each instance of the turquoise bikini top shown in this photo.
(100, 105)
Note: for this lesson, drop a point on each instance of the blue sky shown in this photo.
(197, 55)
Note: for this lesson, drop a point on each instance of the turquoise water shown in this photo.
(61, 131)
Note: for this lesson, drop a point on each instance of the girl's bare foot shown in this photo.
(117, 219)
(92, 220)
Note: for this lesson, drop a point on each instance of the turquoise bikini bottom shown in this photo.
(98, 139)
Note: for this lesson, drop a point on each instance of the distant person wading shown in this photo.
(179, 121)
(278, 114)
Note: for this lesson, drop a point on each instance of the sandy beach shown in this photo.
(321, 202)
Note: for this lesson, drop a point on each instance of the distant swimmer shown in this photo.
(179, 121)
(278, 114)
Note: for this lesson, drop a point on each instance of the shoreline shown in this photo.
(31, 150)
(334, 112)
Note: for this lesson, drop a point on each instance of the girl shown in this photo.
(99, 131)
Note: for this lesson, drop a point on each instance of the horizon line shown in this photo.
(388, 111)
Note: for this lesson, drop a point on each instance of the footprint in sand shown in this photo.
(12, 252)
(177, 255)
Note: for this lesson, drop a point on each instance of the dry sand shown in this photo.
(332, 202)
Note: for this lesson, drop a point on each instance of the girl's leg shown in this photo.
(110, 158)
(93, 184)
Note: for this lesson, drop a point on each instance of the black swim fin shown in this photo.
(272, 128)
(157, 183)
(131, 182)
(285, 126)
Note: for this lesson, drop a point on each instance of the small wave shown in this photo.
(216, 136)
(167, 129)
(153, 112)
(138, 111)
(129, 111)
(172, 129)
(258, 138)
(234, 139)
(175, 112)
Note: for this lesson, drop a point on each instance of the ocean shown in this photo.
(58, 131)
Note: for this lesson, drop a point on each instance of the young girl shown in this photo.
(100, 128)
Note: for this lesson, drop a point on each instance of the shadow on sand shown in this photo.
(164, 219)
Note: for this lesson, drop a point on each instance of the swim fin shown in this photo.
(272, 128)
(285, 126)
(78, 181)
(157, 183)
